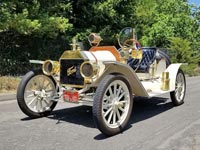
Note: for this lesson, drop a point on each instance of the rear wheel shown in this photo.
(178, 95)
(35, 94)
(112, 105)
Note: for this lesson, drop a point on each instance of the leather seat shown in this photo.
(148, 57)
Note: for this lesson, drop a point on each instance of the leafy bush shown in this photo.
(191, 70)
(181, 52)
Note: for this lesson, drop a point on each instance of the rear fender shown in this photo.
(173, 70)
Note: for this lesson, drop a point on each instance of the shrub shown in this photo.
(191, 70)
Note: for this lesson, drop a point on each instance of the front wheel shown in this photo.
(178, 95)
(112, 105)
(35, 94)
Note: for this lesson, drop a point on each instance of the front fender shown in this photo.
(123, 69)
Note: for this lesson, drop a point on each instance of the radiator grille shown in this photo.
(70, 72)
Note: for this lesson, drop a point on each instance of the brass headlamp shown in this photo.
(88, 70)
(50, 67)
(94, 39)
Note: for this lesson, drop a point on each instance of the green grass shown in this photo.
(8, 84)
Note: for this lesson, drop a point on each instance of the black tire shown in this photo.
(180, 79)
(122, 86)
(22, 100)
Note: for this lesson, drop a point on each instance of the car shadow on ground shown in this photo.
(81, 115)
(143, 108)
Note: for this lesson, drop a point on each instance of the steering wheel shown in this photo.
(131, 44)
(133, 47)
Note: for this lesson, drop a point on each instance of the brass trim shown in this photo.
(87, 81)
(136, 54)
(165, 81)
(70, 54)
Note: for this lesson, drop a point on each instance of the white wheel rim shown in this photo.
(38, 93)
(180, 87)
(115, 104)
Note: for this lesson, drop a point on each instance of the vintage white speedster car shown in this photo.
(102, 77)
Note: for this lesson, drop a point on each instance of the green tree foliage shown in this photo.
(182, 51)
(196, 31)
(34, 29)
(43, 29)
(37, 18)
(165, 19)
(106, 17)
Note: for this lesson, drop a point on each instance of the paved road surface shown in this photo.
(155, 125)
